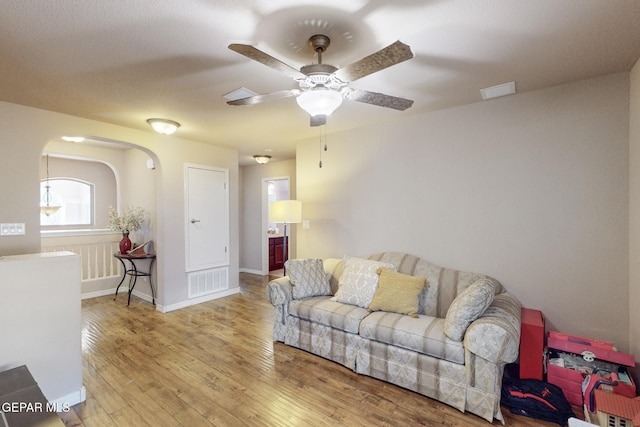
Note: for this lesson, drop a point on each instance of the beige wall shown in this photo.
(531, 189)
(25, 131)
(634, 215)
(252, 243)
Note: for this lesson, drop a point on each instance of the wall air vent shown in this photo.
(207, 282)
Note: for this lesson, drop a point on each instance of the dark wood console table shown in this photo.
(134, 273)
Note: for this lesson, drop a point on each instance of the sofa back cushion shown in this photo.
(359, 281)
(308, 278)
(444, 284)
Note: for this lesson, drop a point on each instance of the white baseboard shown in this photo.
(198, 300)
(251, 271)
(123, 293)
(142, 296)
(65, 402)
(97, 294)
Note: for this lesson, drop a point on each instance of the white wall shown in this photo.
(41, 324)
(251, 244)
(531, 189)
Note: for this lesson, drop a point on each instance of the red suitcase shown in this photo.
(600, 359)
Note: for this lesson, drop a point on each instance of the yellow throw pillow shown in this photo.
(397, 292)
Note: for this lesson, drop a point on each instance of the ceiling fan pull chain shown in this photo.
(325, 136)
(325, 144)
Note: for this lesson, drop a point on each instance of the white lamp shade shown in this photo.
(319, 101)
(285, 211)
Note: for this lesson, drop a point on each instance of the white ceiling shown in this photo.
(123, 61)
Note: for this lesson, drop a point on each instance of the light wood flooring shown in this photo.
(215, 364)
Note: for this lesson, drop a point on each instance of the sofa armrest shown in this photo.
(279, 291)
(495, 335)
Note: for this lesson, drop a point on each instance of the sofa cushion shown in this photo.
(322, 310)
(308, 278)
(359, 281)
(424, 335)
(397, 292)
(468, 306)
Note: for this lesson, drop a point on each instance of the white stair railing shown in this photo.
(96, 257)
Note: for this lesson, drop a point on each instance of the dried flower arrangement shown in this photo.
(129, 221)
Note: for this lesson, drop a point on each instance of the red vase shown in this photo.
(125, 244)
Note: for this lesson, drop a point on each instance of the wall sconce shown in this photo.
(262, 158)
(164, 126)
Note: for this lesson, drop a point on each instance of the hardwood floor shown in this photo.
(215, 364)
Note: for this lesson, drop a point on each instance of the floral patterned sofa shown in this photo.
(442, 333)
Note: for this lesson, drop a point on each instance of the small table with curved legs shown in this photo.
(134, 273)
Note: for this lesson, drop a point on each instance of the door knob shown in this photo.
(193, 221)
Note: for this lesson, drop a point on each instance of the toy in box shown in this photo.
(571, 359)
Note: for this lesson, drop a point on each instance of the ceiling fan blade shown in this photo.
(391, 55)
(257, 99)
(379, 99)
(268, 60)
(318, 120)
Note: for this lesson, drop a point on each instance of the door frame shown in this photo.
(265, 218)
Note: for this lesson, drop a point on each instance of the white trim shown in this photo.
(195, 301)
(141, 295)
(79, 232)
(123, 293)
(71, 399)
(252, 271)
(97, 294)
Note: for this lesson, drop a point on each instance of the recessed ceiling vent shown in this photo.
(240, 93)
(498, 91)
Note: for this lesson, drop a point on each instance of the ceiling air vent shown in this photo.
(240, 93)
(498, 91)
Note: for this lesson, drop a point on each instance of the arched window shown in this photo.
(75, 199)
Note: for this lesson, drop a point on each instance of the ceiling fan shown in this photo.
(322, 87)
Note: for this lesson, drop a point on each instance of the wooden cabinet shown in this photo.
(277, 257)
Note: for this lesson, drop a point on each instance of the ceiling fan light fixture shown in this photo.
(164, 126)
(319, 101)
(262, 158)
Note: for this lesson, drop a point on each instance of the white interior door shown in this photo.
(207, 217)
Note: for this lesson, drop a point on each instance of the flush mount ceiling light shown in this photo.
(73, 138)
(164, 126)
(262, 158)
